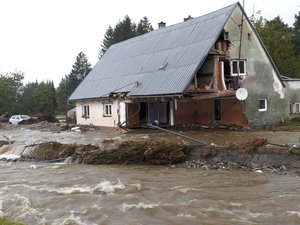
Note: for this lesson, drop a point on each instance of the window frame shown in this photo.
(107, 110)
(86, 111)
(265, 105)
(297, 108)
(238, 68)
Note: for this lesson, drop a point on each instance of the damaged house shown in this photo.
(185, 74)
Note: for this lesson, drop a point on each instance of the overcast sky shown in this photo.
(43, 37)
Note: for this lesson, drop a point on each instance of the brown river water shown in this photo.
(67, 194)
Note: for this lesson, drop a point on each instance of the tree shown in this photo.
(69, 83)
(26, 98)
(296, 40)
(144, 26)
(44, 98)
(296, 34)
(107, 41)
(38, 98)
(278, 39)
(10, 85)
(124, 30)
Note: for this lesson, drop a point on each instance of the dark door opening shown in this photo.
(158, 111)
(217, 105)
(143, 112)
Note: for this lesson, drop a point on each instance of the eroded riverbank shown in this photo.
(156, 148)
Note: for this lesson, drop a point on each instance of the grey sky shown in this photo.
(43, 37)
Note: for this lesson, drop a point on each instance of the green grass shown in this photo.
(296, 119)
(291, 125)
(7, 222)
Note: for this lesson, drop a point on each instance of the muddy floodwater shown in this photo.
(43, 193)
(70, 194)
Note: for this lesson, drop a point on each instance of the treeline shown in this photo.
(36, 98)
(282, 42)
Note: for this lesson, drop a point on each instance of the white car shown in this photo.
(15, 119)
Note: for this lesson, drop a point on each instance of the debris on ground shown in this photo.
(127, 152)
(249, 146)
(256, 154)
(139, 152)
(49, 117)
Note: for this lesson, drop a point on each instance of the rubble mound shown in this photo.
(128, 152)
(140, 152)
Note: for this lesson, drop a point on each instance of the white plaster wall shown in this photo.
(252, 49)
(96, 114)
(261, 80)
(293, 84)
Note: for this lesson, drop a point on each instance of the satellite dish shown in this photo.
(241, 94)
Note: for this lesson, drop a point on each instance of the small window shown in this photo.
(249, 37)
(291, 108)
(238, 67)
(107, 110)
(85, 111)
(297, 108)
(226, 36)
(263, 105)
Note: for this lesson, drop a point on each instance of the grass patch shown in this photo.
(7, 222)
(291, 125)
(296, 119)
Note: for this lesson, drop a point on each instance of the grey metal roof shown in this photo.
(161, 62)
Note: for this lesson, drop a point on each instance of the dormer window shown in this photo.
(238, 67)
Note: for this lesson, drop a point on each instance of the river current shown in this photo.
(68, 194)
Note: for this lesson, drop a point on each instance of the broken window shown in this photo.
(263, 105)
(295, 108)
(226, 35)
(238, 67)
(107, 110)
(85, 111)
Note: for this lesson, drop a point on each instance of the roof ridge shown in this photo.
(169, 28)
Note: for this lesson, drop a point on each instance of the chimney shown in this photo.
(161, 24)
(188, 18)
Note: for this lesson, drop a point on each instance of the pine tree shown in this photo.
(80, 68)
(144, 26)
(124, 30)
(68, 84)
(107, 41)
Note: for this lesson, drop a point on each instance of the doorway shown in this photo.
(217, 109)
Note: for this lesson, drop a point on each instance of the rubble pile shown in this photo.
(254, 155)
(128, 152)
(140, 152)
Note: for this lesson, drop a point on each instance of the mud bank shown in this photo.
(256, 154)
(127, 152)
(280, 160)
